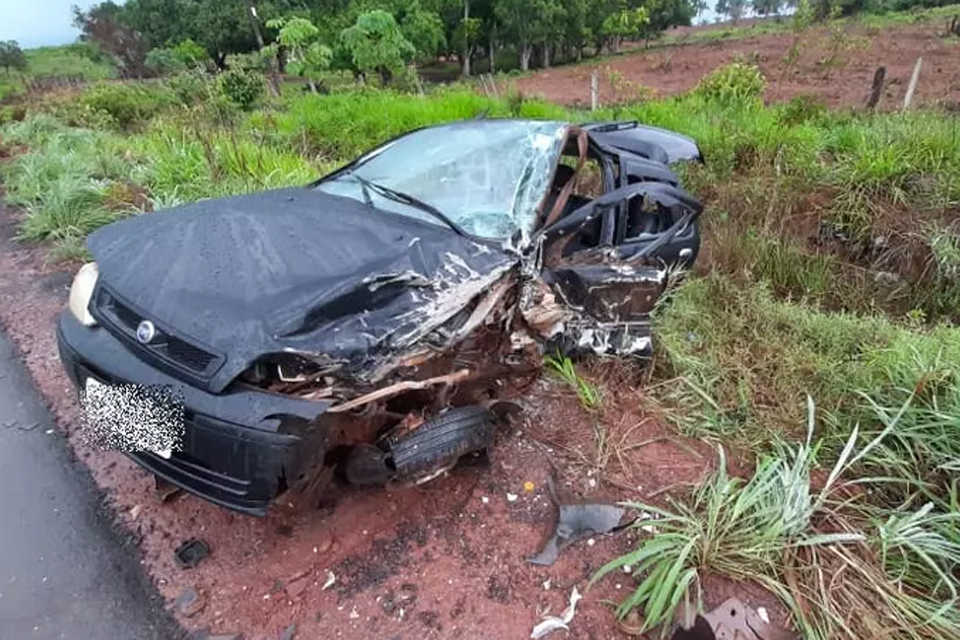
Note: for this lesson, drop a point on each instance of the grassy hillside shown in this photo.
(76, 61)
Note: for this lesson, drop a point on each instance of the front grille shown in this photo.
(183, 355)
(188, 355)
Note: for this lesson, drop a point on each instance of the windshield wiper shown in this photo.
(404, 198)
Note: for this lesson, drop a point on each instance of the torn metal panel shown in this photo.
(653, 143)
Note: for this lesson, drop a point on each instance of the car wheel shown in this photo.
(438, 443)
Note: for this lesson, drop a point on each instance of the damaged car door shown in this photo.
(610, 258)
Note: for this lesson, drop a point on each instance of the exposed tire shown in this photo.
(443, 440)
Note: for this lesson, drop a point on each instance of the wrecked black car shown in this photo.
(364, 325)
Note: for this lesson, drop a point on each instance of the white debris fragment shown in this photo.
(627, 568)
(546, 585)
(591, 542)
(331, 579)
(552, 623)
(485, 500)
(354, 614)
(592, 482)
(512, 497)
(762, 612)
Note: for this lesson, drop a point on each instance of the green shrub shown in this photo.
(803, 108)
(130, 105)
(163, 62)
(189, 87)
(242, 88)
(736, 82)
(190, 53)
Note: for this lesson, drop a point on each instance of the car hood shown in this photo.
(293, 270)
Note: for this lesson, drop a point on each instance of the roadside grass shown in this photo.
(843, 565)
(344, 125)
(743, 361)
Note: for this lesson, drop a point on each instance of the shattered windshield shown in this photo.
(486, 177)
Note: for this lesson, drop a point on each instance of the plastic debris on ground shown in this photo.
(331, 579)
(561, 622)
(190, 553)
(575, 522)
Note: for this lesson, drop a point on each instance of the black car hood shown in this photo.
(293, 270)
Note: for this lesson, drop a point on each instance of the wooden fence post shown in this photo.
(877, 89)
(907, 99)
(594, 98)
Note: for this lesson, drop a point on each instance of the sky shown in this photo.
(36, 23)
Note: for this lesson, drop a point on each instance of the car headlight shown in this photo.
(81, 291)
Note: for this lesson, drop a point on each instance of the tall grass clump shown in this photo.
(842, 565)
(343, 125)
(129, 105)
(64, 178)
(742, 361)
(186, 164)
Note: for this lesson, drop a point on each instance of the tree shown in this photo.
(767, 7)
(221, 27)
(520, 20)
(465, 39)
(424, 29)
(376, 44)
(664, 14)
(11, 56)
(307, 56)
(576, 31)
(625, 23)
(102, 26)
(734, 9)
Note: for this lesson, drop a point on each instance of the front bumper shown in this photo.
(235, 449)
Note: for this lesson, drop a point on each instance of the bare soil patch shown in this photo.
(842, 82)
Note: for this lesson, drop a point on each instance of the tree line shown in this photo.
(384, 37)
(533, 32)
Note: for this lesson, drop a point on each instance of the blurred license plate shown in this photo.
(131, 417)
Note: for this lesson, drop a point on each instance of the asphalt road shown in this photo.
(64, 571)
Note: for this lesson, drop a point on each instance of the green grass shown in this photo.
(844, 566)
(77, 61)
(565, 370)
(745, 361)
(68, 60)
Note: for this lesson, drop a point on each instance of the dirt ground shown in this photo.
(838, 71)
(444, 560)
